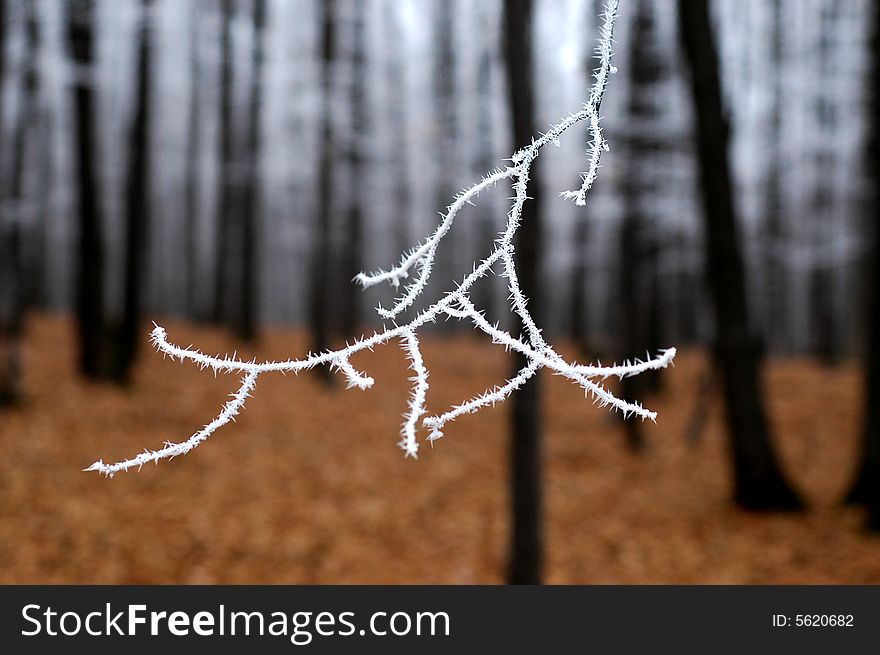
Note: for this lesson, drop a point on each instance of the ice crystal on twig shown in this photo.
(411, 276)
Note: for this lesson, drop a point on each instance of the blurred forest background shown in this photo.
(225, 167)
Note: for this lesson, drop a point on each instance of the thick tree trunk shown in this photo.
(399, 165)
(137, 202)
(775, 298)
(445, 143)
(638, 321)
(486, 227)
(245, 320)
(12, 267)
(11, 314)
(758, 479)
(320, 304)
(193, 141)
(526, 545)
(579, 303)
(823, 319)
(95, 340)
(866, 487)
(351, 245)
(631, 319)
(227, 208)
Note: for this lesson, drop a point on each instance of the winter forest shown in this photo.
(226, 168)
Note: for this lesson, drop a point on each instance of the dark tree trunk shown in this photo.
(758, 479)
(580, 317)
(866, 487)
(775, 298)
(12, 266)
(193, 141)
(526, 545)
(823, 319)
(11, 315)
(395, 70)
(443, 80)
(95, 340)
(320, 304)
(137, 202)
(245, 320)
(638, 322)
(631, 321)
(654, 332)
(351, 243)
(227, 209)
(579, 301)
(36, 254)
(487, 232)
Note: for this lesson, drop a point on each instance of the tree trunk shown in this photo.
(12, 273)
(95, 342)
(245, 320)
(227, 208)
(485, 211)
(194, 305)
(37, 253)
(351, 244)
(137, 202)
(526, 545)
(866, 487)
(579, 301)
(399, 165)
(320, 304)
(758, 479)
(638, 324)
(444, 87)
(775, 298)
(11, 315)
(823, 319)
(631, 320)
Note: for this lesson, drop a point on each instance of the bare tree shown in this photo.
(245, 320)
(95, 340)
(319, 303)
(822, 317)
(866, 487)
(351, 245)
(579, 298)
(526, 557)
(637, 248)
(193, 143)
(758, 479)
(137, 199)
(445, 111)
(13, 220)
(228, 209)
(581, 240)
(398, 145)
(486, 229)
(774, 271)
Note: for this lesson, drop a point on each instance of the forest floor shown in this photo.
(309, 486)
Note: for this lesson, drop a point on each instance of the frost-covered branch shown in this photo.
(419, 393)
(603, 72)
(423, 254)
(171, 450)
(454, 304)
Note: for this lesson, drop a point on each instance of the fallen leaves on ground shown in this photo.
(309, 486)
